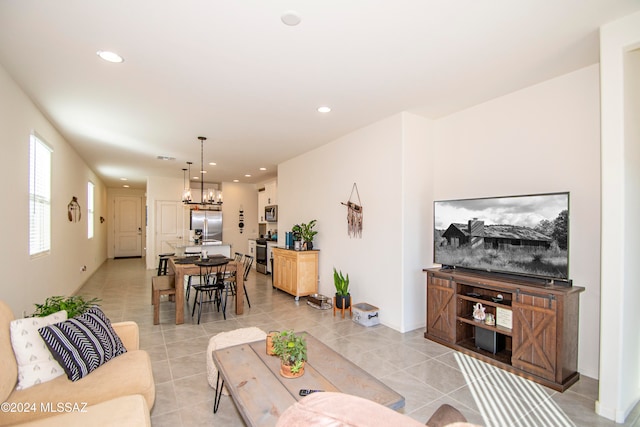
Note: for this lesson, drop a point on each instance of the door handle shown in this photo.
(139, 230)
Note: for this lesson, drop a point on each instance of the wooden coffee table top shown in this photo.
(262, 394)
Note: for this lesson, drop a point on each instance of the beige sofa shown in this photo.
(114, 388)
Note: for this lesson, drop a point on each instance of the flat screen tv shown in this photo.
(522, 235)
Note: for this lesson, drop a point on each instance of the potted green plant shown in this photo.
(291, 348)
(296, 230)
(343, 297)
(305, 233)
(74, 305)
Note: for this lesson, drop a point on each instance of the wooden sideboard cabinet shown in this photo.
(295, 272)
(536, 330)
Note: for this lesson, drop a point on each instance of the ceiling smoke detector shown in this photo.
(290, 18)
(166, 158)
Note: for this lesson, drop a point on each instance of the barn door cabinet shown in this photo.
(536, 333)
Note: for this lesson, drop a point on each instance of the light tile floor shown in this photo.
(425, 373)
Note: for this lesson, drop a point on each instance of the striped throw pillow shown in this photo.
(83, 343)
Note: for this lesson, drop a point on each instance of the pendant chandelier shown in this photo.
(209, 197)
(186, 193)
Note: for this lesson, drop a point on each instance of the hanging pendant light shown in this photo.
(186, 193)
(210, 197)
(202, 171)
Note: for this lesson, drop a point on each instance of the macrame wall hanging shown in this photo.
(354, 213)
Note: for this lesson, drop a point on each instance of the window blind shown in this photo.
(90, 188)
(39, 196)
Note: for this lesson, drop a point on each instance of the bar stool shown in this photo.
(163, 263)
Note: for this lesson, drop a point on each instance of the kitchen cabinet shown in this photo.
(251, 250)
(262, 202)
(536, 328)
(271, 193)
(295, 272)
(266, 197)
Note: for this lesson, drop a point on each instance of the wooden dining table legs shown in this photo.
(180, 270)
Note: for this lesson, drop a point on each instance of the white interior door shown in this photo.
(169, 226)
(127, 227)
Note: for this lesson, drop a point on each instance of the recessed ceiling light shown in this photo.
(248, 175)
(263, 169)
(110, 56)
(236, 180)
(196, 177)
(125, 186)
(290, 18)
(203, 171)
(212, 163)
(123, 179)
(324, 109)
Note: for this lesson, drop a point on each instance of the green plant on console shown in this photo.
(74, 305)
(291, 349)
(341, 283)
(304, 232)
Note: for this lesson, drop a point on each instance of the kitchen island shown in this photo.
(213, 248)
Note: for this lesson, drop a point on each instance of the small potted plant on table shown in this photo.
(292, 350)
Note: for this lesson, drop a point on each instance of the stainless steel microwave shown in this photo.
(271, 213)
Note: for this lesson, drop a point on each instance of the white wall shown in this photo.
(389, 161)
(417, 215)
(313, 185)
(28, 281)
(236, 196)
(619, 348)
(541, 139)
(160, 189)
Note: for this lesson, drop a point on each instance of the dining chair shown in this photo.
(248, 261)
(163, 261)
(212, 287)
(231, 282)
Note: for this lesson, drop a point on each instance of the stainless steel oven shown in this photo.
(261, 256)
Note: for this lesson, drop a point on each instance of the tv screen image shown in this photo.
(524, 235)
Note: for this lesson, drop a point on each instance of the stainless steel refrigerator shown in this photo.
(209, 222)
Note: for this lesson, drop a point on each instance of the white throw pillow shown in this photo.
(35, 363)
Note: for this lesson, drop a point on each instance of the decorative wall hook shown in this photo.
(241, 220)
(73, 210)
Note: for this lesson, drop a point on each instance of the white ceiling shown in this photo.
(233, 72)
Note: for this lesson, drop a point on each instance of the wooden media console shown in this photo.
(542, 342)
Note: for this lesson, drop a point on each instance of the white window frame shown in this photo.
(90, 207)
(40, 165)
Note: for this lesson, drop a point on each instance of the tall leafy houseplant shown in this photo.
(74, 305)
(343, 297)
(292, 350)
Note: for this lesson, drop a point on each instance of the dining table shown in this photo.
(182, 266)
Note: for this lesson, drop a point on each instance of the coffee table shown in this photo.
(261, 394)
